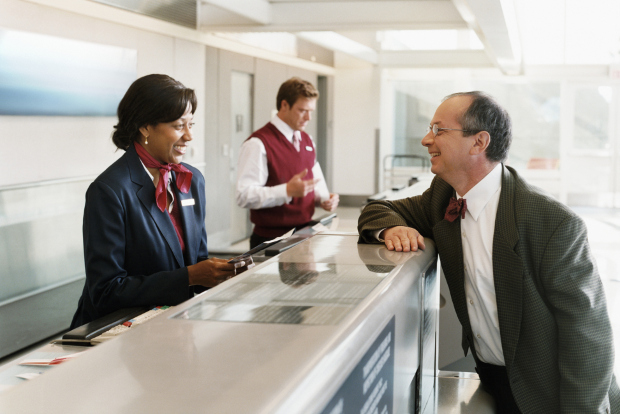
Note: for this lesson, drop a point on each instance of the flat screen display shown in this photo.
(52, 76)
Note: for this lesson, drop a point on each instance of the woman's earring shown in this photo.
(146, 140)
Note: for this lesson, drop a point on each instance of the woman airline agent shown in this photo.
(145, 241)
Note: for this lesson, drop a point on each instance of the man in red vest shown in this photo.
(279, 179)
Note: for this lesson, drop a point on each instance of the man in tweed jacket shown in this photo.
(523, 281)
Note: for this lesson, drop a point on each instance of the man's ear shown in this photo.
(284, 106)
(481, 142)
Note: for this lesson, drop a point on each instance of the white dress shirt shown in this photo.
(252, 174)
(477, 230)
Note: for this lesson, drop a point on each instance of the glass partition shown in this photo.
(564, 130)
(534, 108)
(40, 237)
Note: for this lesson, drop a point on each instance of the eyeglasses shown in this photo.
(435, 129)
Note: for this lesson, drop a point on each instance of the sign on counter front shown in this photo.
(369, 389)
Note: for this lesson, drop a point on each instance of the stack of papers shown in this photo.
(53, 361)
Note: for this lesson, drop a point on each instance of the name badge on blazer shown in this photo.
(308, 148)
(188, 202)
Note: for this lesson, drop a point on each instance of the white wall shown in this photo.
(66, 147)
(356, 118)
(48, 148)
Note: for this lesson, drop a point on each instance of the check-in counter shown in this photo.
(455, 392)
(328, 326)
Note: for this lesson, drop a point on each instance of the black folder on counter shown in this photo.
(282, 245)
(95, 328)
(260, 247)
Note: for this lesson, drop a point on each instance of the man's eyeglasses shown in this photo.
(435, 129)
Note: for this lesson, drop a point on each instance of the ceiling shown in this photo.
(358, 21)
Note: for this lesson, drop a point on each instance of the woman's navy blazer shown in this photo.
(131, 251)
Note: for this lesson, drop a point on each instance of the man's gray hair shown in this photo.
(485, 114)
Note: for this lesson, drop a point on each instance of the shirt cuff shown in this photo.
(376, 234)
(280, 193)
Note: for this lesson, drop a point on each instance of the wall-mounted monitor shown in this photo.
(52, 76)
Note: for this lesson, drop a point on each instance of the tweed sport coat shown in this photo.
(555, 331)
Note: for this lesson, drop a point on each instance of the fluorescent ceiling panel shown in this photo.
(338, 42)
(283, 43)
(429, 40)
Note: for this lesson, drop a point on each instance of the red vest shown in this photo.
(283, 162)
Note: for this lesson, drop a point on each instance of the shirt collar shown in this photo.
(283, 127)
(478, 197)
(151, 175)
(167, 186)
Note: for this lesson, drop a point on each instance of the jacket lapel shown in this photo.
(507, 268)
(188, 222)
(146, 195)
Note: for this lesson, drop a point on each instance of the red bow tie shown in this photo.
(456, 208)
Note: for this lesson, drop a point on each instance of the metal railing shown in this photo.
(398, 176)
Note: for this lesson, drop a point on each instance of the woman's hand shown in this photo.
(214, 271)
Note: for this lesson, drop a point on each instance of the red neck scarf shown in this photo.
(184, 176)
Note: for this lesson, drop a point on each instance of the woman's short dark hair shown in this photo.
(485, 114)
(293, 89)
(150, 100)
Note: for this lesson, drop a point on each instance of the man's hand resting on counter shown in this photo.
(402, 239)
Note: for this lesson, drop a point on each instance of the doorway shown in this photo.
(242, 87)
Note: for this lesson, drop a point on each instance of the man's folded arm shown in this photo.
(380, 215)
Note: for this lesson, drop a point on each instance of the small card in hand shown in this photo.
(242, 263)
